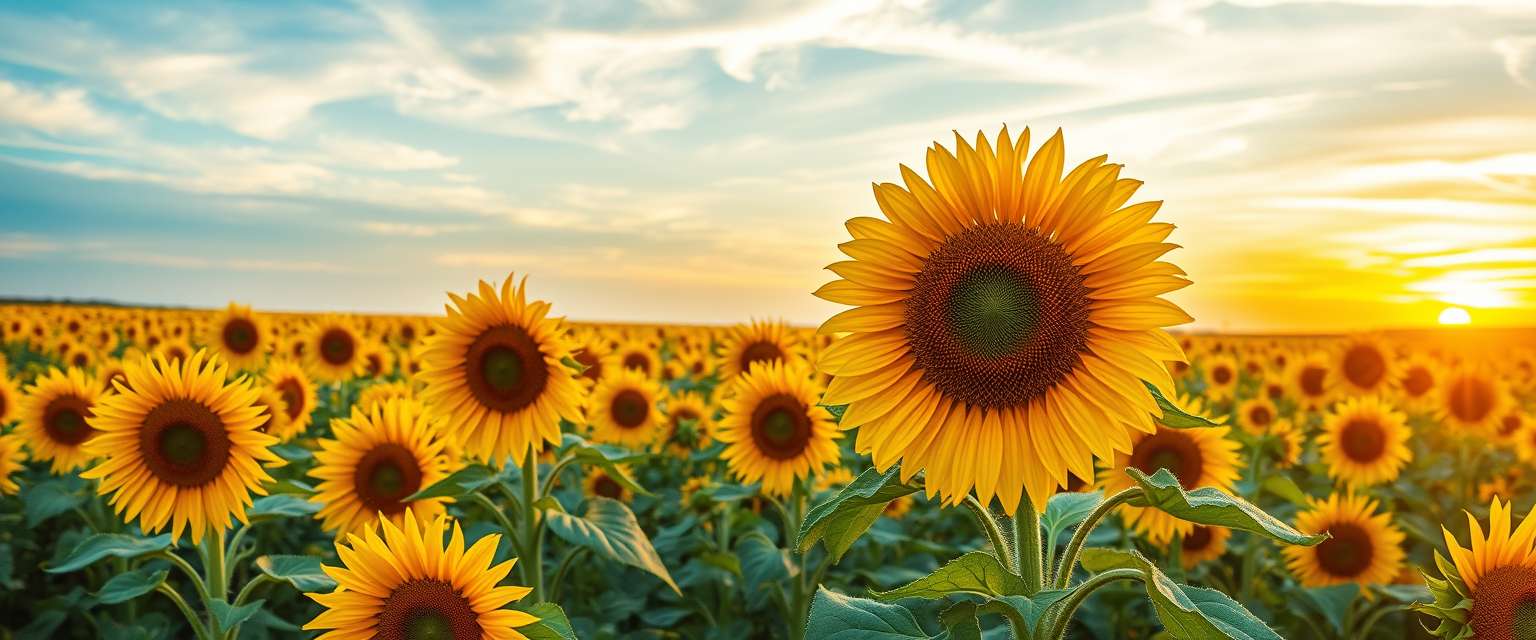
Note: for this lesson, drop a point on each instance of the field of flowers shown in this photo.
(1000, 438)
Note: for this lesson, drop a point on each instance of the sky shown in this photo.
(1331, 165)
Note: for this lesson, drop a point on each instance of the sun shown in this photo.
(1455, 315)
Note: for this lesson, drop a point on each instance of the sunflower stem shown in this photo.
(192, 620)
(1061, 620)
(533, 529)
(798, 602)
(218, 583)
(1027, 546)
(186, 568)
(989, 526)
(1063, 576)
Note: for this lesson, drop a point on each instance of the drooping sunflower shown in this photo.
(1365, 442)
(1365, 547)
(12, 459)
(1203, 544)
(1220, 378)
(378, 457)
(1257, 415)
(623, 410)
(241, 337)
(774, 430)
(333, 349)
(494, 366)
(999, 313)
(298, 394)
(1486, 592)
(182, 446)
(1204, 457)
(407, 584)
(760, 341)
(1365, 365)
(1416, 382)
(55, 418)
(1472, 400)
(1310, 377)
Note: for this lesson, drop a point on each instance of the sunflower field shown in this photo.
(1005, 435)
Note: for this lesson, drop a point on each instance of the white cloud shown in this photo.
(1519, 56)
(22, 245)
(413, 230)
(383, 155)
(66, 110)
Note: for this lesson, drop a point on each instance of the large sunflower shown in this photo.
(406, 584)
(333, 349)
(12, 458)
(1365, 365)
(182, 446)
(241, 337)
(1365, 442)
(774, 430)
(760, 341)
(298, 394)
(623, 409)
(1005, 320)
(378, 457)
(1197, 457)
(1490, 589)
(55, 418)
(494, 366)
(1365, 547)
(1472, 399)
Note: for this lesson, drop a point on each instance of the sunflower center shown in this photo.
(594, 366)
(1221, 374)
(1348, 553)
(638, 361)
(385, 475)
(337, 347)
(1274, 391)
(1504, 604)
(630, 408)
(293, 397)
(505, 369)
(1260, 416)
(1471, 399)
(684, 414)
(375, 365)
(240, 336)
(1362, 440)
(1365, 366)
(427, 609)
(1418, 382)
(1312, 380)
(64, 420)
(184, 443)
(780, 428)
(1172, 450)
(997, 316)
(1198, 539)
(760, 351)
(607, 487)
(1509, 425)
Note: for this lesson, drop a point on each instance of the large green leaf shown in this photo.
(976, 572)
(127, 586)
(835, 616)
(552, 624)
(960, 621)
(1187, 613)
(1175, 417)
(303, 572)
(842, 519)
(1024, 612)
(1211, 506)
(103, 545)
(609, 529)
(762, 561)
(730, 492)
(1068, 509)
(458, 484)
(47, 499)
(282, 505)
(229, 616)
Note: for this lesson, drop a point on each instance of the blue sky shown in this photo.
(1330, 164)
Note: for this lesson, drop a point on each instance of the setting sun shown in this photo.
(1455, 315)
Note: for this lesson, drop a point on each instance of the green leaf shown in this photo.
(1333, 602)
(552, 624)
(609, 529)
(103, 545)
(835, 616)
(1024, 612)
(292, 452)
(1211, 506)
(303, 572)
(975, 572)
(762, 561)
(1175, 417)
(283, 505)
(47, 499)
(127, 586)
(1283, 486)
(1196, 613)
(574, 365)
(960, 622)
(458, 484)
(606, 457)
(842, 519)
(290, 487)
(230, 616)
(731, 492)
(1066, 510)
(1100, 559)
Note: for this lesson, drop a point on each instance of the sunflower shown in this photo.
(1472, 399)
(10, 399)
(173, 349)
(1220, 378)
(274, 421)
(381, 392)
(1310, 378)
(639, 355)
(774, 430)
(689, 418)
(1365, 547)
(1365, 365)
(407, 584)
(55, 418)
(333, 349)
(241, 337)
(1416, 382)
(1509, 427)
(1364, 442)
(593, 353)
(297, 392)
(1257, 416)
(110, 373)
(379, 456)
(12, 459)
(898, 508)
(181, 447)
(1288, 443)
(760, 341)
(1005, 320)
(1488, 591)
(378, 360)
(1197, 457)
(494, 366)
(1203, 544)
(77, 355)
(623, 410)
(599, 484)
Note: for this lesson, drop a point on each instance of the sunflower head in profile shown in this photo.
(297, 392)
(1364, 442)
(1472, 400)
(274, 420)
(760, 341)
(623, 410)
(333, 349)
(1221, 377)
(240, 336)
(379, 457)
(1310, 378)
(638, 354)
(181, 446)
(1288, 443)
(407, 584)
(381, 392)
(1487, 592)
(1202, 544)
(1416, 381)
(1365, 548)
(12, 459)
(55, 418)
(1204, 457)
(999, 312)
(598, 483)
(1366, 365)
(774, 430)
(494, 366)
(1257, 416)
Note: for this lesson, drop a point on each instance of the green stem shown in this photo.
(1080, 536)
(533, 529)
(1061, 620)
(186, 568)
(1365, 628)
(798, 600)
(218, 583)
(501, 518)
(186, 611)
(1027, 536)
(250, 588)
(554, 476)
(565, 565)
(984, 518)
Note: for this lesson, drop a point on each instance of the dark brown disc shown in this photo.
(505, 369)
(629, 408)
(293, 398)
(64, 419)
(759, 351)
(1363, 440)
(338, 347)
(240, 336)
(184, 443)
(781, 430)
(427, 609)
(1173, 450)
(385, 475)
(1418, 381)
(1471, 398)
(1348, 553)
(1504, 604)
(1311, 380)
(1364, 365)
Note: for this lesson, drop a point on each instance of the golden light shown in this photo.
(1455, 315)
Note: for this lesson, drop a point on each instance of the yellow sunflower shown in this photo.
(181, 446)
(1364, 442)
(1220, 378)
(1365, 365)
(1310, 378)
(297, 392)
(379, 456)
(598, 483)
(1416, 382)
(1509, 427)
(774, 430)
(55, 418)
(1257, 416)
(1005, 319)
(593, 353)
(1472, 400)
(1203, 544)
(760, 341)
(407, 584)
(898, 508)
(241, 337)
(274, 418)
(639, 355)
(1288, 443)
(1197, 457)
(494, 366)
(12, 459)
(381, 392)
(623, 410)
(1365, 547)
(836, 478)
(1487, 591)
(173, 349)
(378, 360)
(333, 349)
(109, 373)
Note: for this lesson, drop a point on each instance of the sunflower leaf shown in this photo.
(610, 530)
(552, 624)
(281, 505)
(976, 573)
(1211, 506)
(303, 572)
(127, 586)
(47, 499)
(1175, 417)
(840, 520)
(115, 545)
(762, 561)
(1024, 612)
(835, 616)
(293, 487)
(229, 616)
(1197, 613)
(458, 484)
